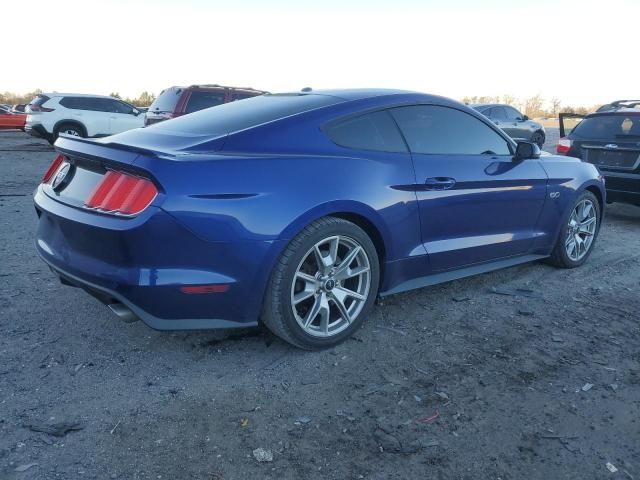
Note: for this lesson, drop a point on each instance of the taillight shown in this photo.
(52, 168)
(564, 145)
(122, 193)
(38, 108)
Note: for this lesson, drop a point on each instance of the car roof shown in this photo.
(483, 105)
(58, 94)
(354, 93)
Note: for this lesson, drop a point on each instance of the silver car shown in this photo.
(514, 123)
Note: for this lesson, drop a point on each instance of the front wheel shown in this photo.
(323, 286)
(578, 234)
(538, 138)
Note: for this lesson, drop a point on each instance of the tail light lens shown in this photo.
(122, 193)
(52, 168)
(38, 108)
(564, 145)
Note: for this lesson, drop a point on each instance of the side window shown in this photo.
(202, 100)
(499, 113)
(512, 114)
(371, 131)
(487, 112)
(431, 129)
(118, 107)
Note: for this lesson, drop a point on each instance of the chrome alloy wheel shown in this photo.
(581, 230)
(331, 286)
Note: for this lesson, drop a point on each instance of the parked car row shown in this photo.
(52, 114)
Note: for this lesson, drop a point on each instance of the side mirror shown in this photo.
(525, 118)
(136, 112)
(526, 150)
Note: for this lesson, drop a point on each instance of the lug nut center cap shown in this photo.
(329, 284)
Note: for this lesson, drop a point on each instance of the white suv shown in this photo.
(50, 114)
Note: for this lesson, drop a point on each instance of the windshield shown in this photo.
(608, 127)
(235, 116)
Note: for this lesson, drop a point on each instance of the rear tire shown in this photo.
(72, 129)
(323, 286)
(581, 225)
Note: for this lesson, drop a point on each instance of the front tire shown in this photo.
(323, 286)
(579, 232)
(538, 138)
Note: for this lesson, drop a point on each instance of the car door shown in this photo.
(476, 203)
(122, 116)
(515, 125)
(88, 111)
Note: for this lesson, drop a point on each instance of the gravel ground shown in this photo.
(450, 382)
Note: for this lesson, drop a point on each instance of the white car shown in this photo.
(51, 114)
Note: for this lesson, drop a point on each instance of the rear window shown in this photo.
(234, 116)
(167, 100)
(199, 100)
(39, 100)
(608, 127)
(372, 131)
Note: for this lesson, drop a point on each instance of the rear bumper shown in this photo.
(143, 262)
(622, 187)
(38, 131)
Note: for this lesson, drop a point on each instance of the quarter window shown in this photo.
(372, 131)
(431, 129)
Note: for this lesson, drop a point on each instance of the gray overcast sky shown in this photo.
(582, 51)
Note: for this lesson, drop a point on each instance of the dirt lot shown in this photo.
(527, 373)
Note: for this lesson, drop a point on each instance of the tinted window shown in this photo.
(201, 100)
(372, 131)
(487, 112)
(512, 114)
(441, 130)
(114, 106)
(39, 100)
(167, 100)
(608, 127)
(79, 103)
(234, 116)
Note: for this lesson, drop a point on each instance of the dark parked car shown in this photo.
(176, 101)
(517, 125)
(298, 209)
(610, 140)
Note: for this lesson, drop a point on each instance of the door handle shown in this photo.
(439, 183)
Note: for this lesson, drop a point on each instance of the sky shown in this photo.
(581, 51)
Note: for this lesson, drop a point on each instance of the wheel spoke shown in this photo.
(306, 277)
(343, 269)
(588, 222)
(318, 307)
(342, 291)
(304, 294)
(338, 300)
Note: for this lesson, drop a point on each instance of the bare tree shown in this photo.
(533, 106)
(555, 107)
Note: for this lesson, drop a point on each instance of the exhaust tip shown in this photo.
(124, 312)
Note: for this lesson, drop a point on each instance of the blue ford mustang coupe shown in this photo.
(297, 210)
